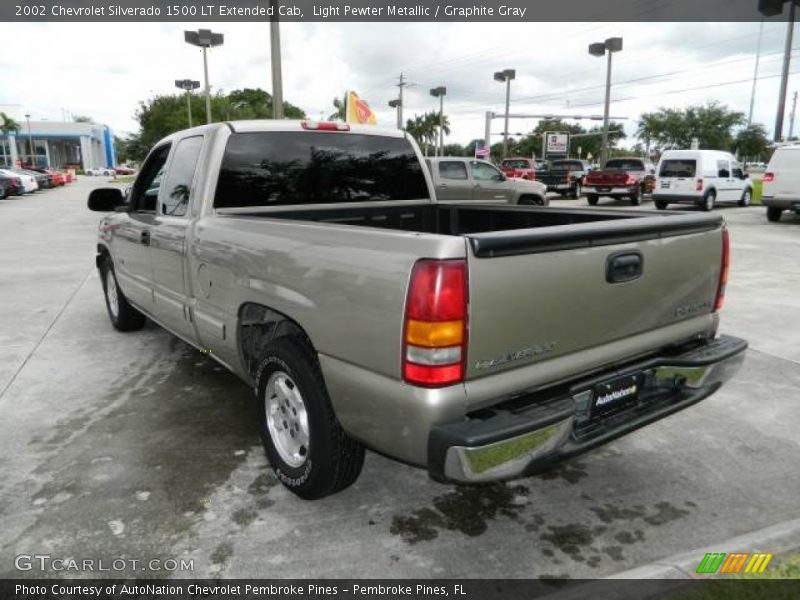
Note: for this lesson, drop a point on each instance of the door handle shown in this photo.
(624, 266)
(144, 238)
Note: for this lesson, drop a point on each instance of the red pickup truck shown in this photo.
(621, 178)
(521, 168)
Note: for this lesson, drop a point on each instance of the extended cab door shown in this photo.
(168, 239)
(131, 250)
(452, 180)
(489, 183)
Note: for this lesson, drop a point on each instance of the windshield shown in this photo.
(625, 164)
(678, 168)
(285, 167)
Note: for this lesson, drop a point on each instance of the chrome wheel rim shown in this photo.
(111, 294)
(287, 419)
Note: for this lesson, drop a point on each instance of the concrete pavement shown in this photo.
(136, 446)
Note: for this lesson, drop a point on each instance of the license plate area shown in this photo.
(665, 185)
(604, 189)
(616, 394)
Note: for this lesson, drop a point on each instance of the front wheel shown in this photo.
(774, 213)
(745, 199)
(530, 200)
(123, 316)
(305, 444)
(661, 205)
(592, 199)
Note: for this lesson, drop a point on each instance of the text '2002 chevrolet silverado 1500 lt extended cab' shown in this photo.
(478, 341)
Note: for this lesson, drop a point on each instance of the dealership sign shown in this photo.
(557, 143)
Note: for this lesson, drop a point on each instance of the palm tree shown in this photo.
(340, 104)
(425, 129)
(8, 125)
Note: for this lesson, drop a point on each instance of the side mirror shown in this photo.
(105, 199)
(500, 177)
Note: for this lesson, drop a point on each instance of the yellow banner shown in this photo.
(358, 111)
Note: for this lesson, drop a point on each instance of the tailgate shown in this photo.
(606, 178)
(538, 294)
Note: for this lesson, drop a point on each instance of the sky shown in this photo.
(103, 70)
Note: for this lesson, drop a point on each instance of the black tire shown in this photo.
(532, 200)
(576, 191)
(125, 317)
(709, 200)
(592, 199)
(747, 195)
(332, 460)
(661, 205)
(774, 213)
(636, 199)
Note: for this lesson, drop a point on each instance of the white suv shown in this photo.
(701, 177)
(781, 182)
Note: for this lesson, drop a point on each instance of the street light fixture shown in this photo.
(188, 85)
(205, 39)
(506, 76)
(440, 92)
(610, 46)
(398, 104)
(30, 138)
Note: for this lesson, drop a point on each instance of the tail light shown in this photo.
(723, 273)
(698, 186)
(631, 180)
(768, 177)
(325, 126)
(435, 328)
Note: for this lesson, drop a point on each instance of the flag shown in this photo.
(481, 150)
(358, 111)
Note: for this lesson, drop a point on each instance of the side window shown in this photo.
(723, 168)
(484, 172)
(453, 169)
(145, 191)
(175, 190)
(736, 171)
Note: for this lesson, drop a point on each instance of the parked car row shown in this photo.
(15, 181)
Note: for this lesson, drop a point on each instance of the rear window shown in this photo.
(625, 164)
(683, 167)
(515, 164)
(286, 167)
(566, 164)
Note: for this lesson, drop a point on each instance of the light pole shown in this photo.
(275, 57)
(188, 85)
(30, 137)
(205, 39)
(398, 104)
(770, 8)
(440, 92)
(506, 75)
(610, 46)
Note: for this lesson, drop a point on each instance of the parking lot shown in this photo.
(136, 446)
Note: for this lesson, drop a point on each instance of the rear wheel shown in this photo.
(661, 204)
(636, 199)
(577, 191)
(305, 444)
(745, 199)
(123, 316)
(592, 199)
(709, 200)
(774, 213)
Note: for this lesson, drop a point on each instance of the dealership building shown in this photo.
(59, 144)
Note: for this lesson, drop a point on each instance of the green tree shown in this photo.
(710, 123)
(340, 104)
(455, 150)
(425, 129)
(82, 119)
(160, 116)
(752, 142)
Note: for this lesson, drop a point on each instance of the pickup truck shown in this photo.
(520, 168)
(478, 341)
(630, 178)
(461, 179)
(565, 176)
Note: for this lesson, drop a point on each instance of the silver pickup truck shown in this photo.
(479, 341)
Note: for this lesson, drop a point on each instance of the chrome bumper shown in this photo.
(527, 435)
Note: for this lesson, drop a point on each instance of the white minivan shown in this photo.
(781, 182)
(701, 177)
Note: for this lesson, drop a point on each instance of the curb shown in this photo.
(679, 569)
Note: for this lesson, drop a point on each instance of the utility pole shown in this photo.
(791, 117)
(755, 74)
(401, 84)
(275, 55)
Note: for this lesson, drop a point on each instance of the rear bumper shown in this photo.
(678, 198)
(782, 203)
(611, 191)
(528, 434)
